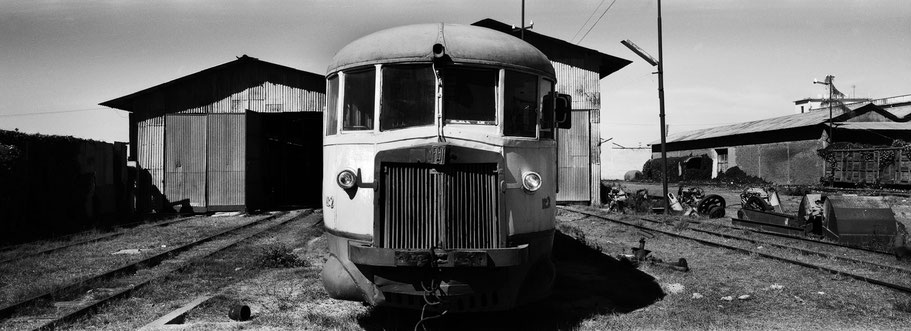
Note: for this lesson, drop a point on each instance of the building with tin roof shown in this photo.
(783, 149)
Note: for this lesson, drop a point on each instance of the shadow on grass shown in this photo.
(588, 283)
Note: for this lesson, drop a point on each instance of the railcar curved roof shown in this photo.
(463, 44)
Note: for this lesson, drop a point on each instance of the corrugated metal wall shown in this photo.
(226, 151)
(185, 161)
(583, 85)
(266, 98)
(150, 161)
(580, 164)
(574, 160)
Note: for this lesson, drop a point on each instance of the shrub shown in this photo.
(279, 256)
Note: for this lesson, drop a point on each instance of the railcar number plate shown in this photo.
(437, 154)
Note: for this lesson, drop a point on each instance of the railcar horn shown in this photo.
(439, 51)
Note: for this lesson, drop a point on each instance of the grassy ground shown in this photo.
(593, 291)
(36, 274)
(209, 277)
(781, 296)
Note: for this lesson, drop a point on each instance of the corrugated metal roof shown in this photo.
(244, 66)
(874, 125)
(556, 48)
(462, 43)
(902, 112)
(770, 124)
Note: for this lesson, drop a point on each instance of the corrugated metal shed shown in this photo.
(190, 137)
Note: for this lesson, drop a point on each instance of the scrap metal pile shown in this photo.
(689, 201)
(850, 219)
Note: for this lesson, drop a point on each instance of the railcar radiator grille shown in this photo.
(448, 206)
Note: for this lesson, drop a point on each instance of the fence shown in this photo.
(52, 185)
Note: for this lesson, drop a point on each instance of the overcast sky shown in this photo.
(725, 61)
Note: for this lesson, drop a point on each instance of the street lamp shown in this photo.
(660, 63)
(828, 83)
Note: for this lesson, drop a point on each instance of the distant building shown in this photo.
(783, 149)
(579, 72)
(238, 136)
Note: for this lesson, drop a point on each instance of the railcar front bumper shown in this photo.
(364, 254)
(472, 279)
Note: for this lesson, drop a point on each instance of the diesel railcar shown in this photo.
(440, 170)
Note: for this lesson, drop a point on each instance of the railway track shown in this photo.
(88, 241)
(47, 310)
(67, 237)
(799, 238)
(887, 284)
(798, 249)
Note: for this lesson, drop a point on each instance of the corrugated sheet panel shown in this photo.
(282, 98)
(583, 85)
(226, 152)
(269, 98)
(150, 150)
(574, 159)
(185, 164)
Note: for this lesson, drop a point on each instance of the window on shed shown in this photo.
(470, 95)
(332, 107)
(359, 100)
(722, 161)
(520, 104)
(408, 96)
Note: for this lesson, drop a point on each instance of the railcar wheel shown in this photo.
(712, 206)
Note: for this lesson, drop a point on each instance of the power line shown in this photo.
(52, 112)
(596, 22)
(587, 20)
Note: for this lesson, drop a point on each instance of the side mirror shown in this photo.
(563, 107)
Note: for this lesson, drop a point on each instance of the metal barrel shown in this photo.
(858, 220)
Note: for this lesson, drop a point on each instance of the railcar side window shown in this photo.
(547, 110)
(332, 107)
(408, 96)
(358, 104)
(470, 95)
(520, 104)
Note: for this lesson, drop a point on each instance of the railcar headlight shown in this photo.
(531, 181)
(346, 179)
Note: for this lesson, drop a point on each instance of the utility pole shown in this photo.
(522, 27)
(660, 63)
(667, 204)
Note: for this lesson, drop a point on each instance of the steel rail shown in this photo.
(124, 293)
(8, 310)
(776, 234)
(897, 287)
(66, 237)
(89, 241)
(801, 250)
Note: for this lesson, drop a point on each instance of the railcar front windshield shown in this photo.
(408, 96)
(470, 95)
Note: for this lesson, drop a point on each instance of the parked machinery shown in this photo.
(615, 199)
(693, 201)
(849, 219)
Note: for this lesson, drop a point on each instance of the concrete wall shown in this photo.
(794, 162)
